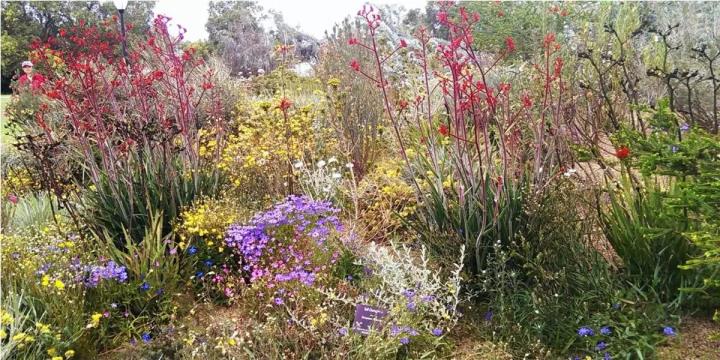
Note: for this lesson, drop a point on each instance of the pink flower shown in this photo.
(403, 43)
(442, 17)
(13, 199)
(355, 65)
(353, 41)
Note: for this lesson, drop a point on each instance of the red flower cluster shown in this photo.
(285, 104)
(549, 40)
(622, 152)
(444, 130)
(510, 44)
(402, 104)
(527, 101)
(504, 88)
(353, 41)
(355, 65)
(442, 17)
(403, 43)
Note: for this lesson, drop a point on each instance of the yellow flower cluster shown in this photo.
(259, 153)
(207, 221)
(17, 182)
(385, 198)
(94, 320)
(41, 333)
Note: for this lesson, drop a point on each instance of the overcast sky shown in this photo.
(311, 16)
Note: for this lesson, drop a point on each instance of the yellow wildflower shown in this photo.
(94, 320)
(45, 280)
(43, 328)
(52, 352)
(59, 284)
(19, 337)
(5, 318)
(70, 353)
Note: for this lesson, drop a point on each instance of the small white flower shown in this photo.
(326, 189)
(349, 165)
(570, 172)
(298, 165)
(336, 175)
(332, 160)
(321, 164)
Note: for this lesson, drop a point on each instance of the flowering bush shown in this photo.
(496, 132)
(201, 230)
(260, 154)
(421, 305)
(286, 246)
(321, 181)
(386, 202)
(127, 123)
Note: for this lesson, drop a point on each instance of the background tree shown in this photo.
(235, 30)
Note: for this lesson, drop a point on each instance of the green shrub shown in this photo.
(648, 235)
(152, 183)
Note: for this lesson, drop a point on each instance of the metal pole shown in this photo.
(122, 31)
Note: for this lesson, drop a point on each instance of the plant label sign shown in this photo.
(367, 317)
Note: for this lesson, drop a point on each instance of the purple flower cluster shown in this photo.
(282, 243)
(397, 330)
(111, 271)
(600, 345)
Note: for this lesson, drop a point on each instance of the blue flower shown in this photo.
(607, 356)
(669, 331)
(349, 278)
(208, 263)
(405, 340)
(616, 306)
(199, 274)
(585, 331)
(437, 331)
(606, 330)
(488, 315)
(674, 148)
(343, 331)
(146, 337)
(684, 127)
(411, 306)
(600, 346)
(279, 301)
(192, 250)
(145, 286)
(159, 291)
